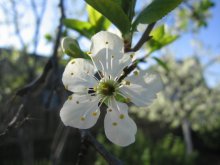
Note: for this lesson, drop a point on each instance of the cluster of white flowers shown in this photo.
(90, 91)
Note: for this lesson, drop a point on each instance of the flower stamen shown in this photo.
(121, 116)
(114, 123)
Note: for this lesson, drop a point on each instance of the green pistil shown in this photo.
(106, 88)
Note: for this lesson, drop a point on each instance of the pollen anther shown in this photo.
(94, 114)
(82, 118)
(127, 82)
(136, 73)
(127, 100)
(121, 116)
(89, 53)
(70, 97)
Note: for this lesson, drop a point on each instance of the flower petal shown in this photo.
(119, 127)
(106, 39)
(141, 88)
(111, 63)
(78, 75)
(80, 111)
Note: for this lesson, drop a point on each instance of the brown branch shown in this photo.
(16, 25)
(58, 143)
(52, 62)
(36, 83)
(59, 29)
(83, 148)
(54, 57)
(144, 38)
(100, 148)
(38, 20)
(127, 71)
(14, 122)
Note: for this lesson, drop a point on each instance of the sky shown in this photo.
(207, 40)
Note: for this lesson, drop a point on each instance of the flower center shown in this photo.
(106, 88)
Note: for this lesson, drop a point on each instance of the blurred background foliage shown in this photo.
(181, 127)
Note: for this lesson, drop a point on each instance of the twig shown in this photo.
(83, 148)
(15, 21)
(36, 83)
(100, 149)
(12, 124)
(144, 38)
(38, 17)
(127, 71)
(54, 57)
(52, 62)
(59, 29)
(58, 143)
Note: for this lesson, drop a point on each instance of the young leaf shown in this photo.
(155, 11)
(112, 11)
(83, 28)
(161, 63)
(158, 33)
(72, 48)
(48, 37)
(160, 39)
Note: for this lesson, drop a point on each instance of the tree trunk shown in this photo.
(187, 136)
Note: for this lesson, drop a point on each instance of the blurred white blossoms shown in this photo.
(91, 89)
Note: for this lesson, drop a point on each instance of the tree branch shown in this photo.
(145, 37)
(16, 24)
(51, 63)
(13, 122)
(38, 20)
(99, 148)
(128, 70)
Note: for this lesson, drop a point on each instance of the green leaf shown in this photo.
(206, 4)
(83, 28)
(158, 33)
(128, 7)
(102, 24)
(48, 37)
(160, 39)
(155, 11)
(161, 63)
(113, 12)
(94, 15)
(72, 48)
(97, 20)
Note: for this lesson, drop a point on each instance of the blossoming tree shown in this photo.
(103, 80)
(186, 100)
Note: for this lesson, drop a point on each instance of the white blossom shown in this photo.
(82, 108)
